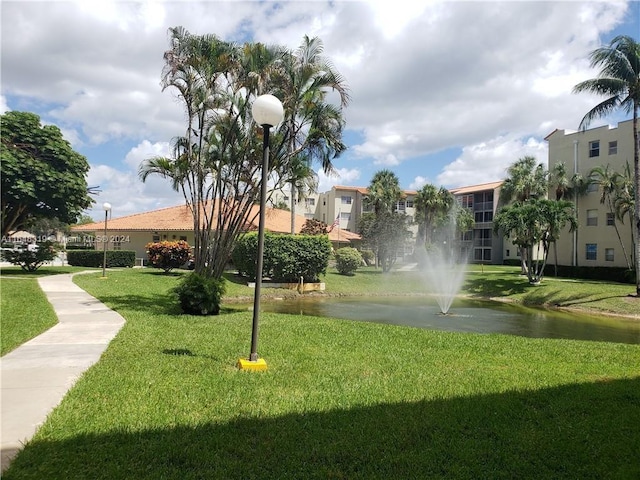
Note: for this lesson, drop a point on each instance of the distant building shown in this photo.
(595, 243)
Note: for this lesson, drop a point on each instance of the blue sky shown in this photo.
(443, 92)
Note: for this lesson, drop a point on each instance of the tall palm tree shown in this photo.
(526, 179)
(619, 81)
(313, 124)
(384, 192)
(609, 183)
(430, 204)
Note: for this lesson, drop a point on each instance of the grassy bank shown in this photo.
(340, 400)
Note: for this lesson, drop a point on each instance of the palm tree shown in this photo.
(608, 181)
(525, 180)
(619, 81)
(384, 192)
(312, 123)
(430, 204)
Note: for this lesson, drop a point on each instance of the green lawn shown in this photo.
(340, 399)
(25, 311)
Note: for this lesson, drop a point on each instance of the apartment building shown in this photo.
(595, 243)
(481, 244)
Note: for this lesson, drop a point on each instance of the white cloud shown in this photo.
(418, 183)
(424, 76)
(488, 161)
(342, 176)
(145, 150)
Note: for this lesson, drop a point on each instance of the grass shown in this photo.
(26, 312)
(340, 399)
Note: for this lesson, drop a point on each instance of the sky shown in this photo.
(443, 92)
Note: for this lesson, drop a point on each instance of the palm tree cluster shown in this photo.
(619, 81)
(216, 164)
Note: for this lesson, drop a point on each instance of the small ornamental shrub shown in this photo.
(200, 295)
(168, 255)
(94, 258)
(348, 260)
(30, 259)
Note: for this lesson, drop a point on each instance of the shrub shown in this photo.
(368, 257)
(286, 257)
(168, 255)
(200, 295)
(313, 227)
(348, 260)
(32, 259)
(93, 258)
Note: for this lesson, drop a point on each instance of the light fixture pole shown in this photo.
(268, 112)
(106, 207)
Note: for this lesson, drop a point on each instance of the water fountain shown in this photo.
(443, 276)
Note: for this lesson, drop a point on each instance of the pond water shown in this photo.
(465, 316)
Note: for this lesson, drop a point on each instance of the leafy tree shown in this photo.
(532, 223)
(386, 234)
(619, 81)
(42, 176)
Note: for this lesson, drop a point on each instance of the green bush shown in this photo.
(93, 258)
(168, 255)
(348, 260)
(286, 257)
(30, 260)
(200, 295)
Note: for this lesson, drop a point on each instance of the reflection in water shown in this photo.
(465, 316)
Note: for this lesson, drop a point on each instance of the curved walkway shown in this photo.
(38, 374)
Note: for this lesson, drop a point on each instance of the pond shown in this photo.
(465, 316)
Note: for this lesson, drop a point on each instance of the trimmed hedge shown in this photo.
(348, 260)
(612, 274)
(286, 257)
(93, 258)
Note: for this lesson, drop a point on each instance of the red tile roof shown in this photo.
(476, 188)
(179, 218)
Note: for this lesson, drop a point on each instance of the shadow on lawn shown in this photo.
(496, 286)
(575, 431)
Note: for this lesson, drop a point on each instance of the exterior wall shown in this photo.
(130, 240)
(482, 245)
(307, 207)
(576, 150)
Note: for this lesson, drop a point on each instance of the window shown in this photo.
(117, 245)
(310, 202)
(608, 254)
(592, 251)
(285, 199)
(613, 147)
(345, 200)
(345, 216)
(594, 149)
(488, 216)
(611, 219)
(508, 253)
(592, 218)
(467, 201)
(477, 217)
(400, 206)
(409, 203)
(592, 187)
(156, 238)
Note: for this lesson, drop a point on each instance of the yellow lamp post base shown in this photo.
(258, 365)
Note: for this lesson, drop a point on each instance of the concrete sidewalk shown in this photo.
(38, 374)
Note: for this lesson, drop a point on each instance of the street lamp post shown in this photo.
(106, 207)
(267, 111)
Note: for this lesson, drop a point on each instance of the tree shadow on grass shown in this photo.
(587, 431)
(496, 286)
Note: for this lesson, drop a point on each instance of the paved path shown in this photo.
(38, 374)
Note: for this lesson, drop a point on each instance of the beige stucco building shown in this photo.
(595, 243)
